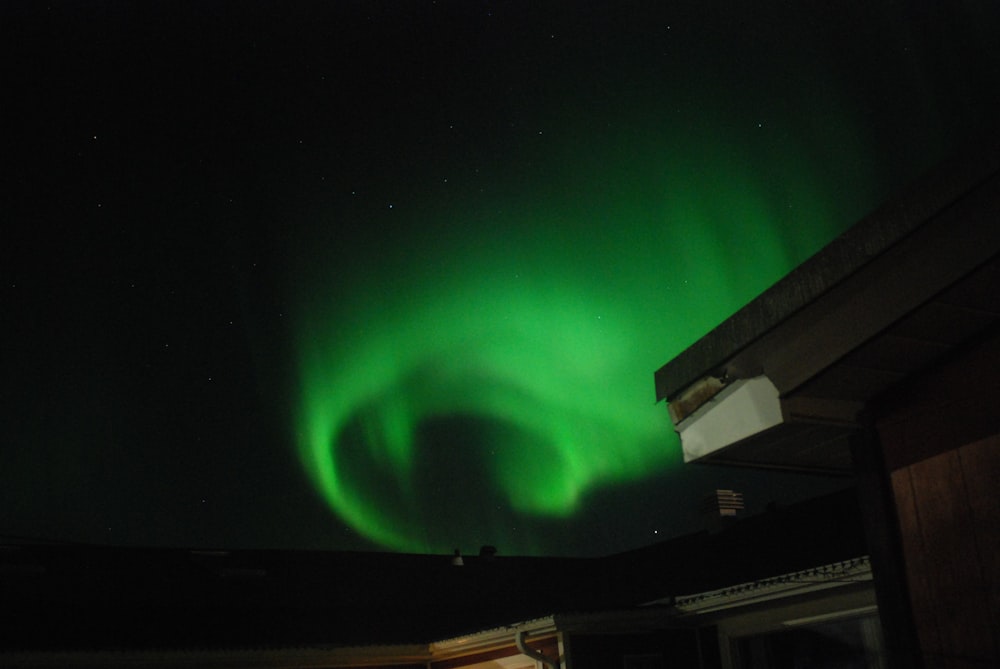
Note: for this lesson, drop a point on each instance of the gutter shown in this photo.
(519, 637)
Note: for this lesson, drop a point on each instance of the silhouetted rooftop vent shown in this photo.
(724, 503)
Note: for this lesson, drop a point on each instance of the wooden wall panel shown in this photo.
(981, 474)
(949, 520)
(940, 443)
(954, 571)
(917, 569)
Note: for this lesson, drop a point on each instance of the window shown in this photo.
(854, 643)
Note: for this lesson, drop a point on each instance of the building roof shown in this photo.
(66, 597)
(903, 288)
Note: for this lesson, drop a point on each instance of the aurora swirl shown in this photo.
(504, 352)
(397, 276)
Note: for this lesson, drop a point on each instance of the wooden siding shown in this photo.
(950, 548)
(940, 436)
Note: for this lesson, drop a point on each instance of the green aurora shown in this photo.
(504, 346)
(475, 341)
(351, 276)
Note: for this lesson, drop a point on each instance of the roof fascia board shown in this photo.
(784, 586)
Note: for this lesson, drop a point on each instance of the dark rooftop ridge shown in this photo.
(71, 597)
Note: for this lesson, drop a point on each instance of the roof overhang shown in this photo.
(784, 382)
(748, 422)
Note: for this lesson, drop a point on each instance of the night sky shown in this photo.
(397, 275)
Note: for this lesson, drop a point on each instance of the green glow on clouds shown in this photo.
(506, 340)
